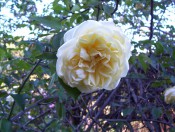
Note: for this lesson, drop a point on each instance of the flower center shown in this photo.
(95, 60)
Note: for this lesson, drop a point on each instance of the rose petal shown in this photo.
(84, 54)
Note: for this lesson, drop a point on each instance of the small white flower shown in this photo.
(94, 56)
(169, 95)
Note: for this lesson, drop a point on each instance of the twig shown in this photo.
(26, 128)
(139, 119)
(132, 91)
(116, 7)
(30, 73)
(73, 127)
(42, 114)
(104, 105)
(98, 100)
(22, 86)
(91, 109)
(98, 13)
(30, 107)
(47, 125)
(151, 23)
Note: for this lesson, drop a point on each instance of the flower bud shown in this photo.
(169, 95)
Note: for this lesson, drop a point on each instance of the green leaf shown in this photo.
(128, 111)
(48, 21)
(68, 3)
(57, 40)
(159, 48)
(156, 112)
(91, 2)
(20, 99)
(128, 2)
(144, 61)
(60, 108)
(47, 55)
(5, 125)
(57, 7)
(173, 54)
(66, 129)
(19, 64)
(73, 92)
(75, 8)
(48, 100)
(36, 49)
(54, 76)
(3, 52)
(108, 9)
(3, 93)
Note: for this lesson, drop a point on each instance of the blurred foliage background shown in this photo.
(33, 98)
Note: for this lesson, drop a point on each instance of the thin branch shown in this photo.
(30, 73)
(170, 34)
(30, 107)
(140, 119)
(22, 86)
(26, 128)
(96, 103)
(98, 13)
(91, 109)
(42, 114)
(116, 7)
(102, 108)
(151, 23)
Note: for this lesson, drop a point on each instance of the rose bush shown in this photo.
(94, 56)
(169, 95)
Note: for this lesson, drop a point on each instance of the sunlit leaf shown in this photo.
(75, 8)
(48, 21)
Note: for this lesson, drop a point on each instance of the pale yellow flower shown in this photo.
(169, 95)
(94, 56)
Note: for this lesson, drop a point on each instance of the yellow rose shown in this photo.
(94, 56)
(169, 95)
